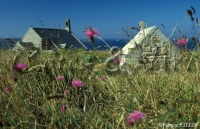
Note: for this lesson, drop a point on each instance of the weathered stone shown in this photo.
(146, 49)
(151, 58)
(156, 52)
(158, 44)
(142, 24)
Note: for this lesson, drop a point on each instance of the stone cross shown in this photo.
(142, 24)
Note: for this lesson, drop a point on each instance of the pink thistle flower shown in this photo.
(136, 116)
(6, 90)
(66, 92)
(90, 32)
(77, 83)
(63, 108)
(102, 77)
(117, 61)
(182, 41)
(20, 66)
(60, 78)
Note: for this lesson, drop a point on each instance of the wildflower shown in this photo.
(6, 90)
(63, 108)
(66, 92)
(90, 33)
(20, 66)
(61, 78)
(182, 41)
(102, 77)
(77, 83)
(136, 116)
(117, 61)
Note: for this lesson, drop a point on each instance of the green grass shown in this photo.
(36, 97)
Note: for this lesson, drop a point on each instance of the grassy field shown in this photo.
(34, 98)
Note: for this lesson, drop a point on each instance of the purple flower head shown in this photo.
(20, 66)
(136, 116)
(117, 61)
(77, 83)
(90, 32)
(6, 90)
(102, 77)
(182, 41)
(61, 78)
(66, 92)
(63, 108)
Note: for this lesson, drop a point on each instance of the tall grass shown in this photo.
(36, 97)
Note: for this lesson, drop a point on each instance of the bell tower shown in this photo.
(67, 26)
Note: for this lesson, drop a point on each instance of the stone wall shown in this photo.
(32, 36)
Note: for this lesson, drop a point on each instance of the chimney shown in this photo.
(67, 27)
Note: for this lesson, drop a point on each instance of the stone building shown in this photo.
(48, 39)
(150, 49)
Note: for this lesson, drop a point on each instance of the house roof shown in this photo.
(59, 36)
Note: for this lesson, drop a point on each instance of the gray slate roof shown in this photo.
(59, 36)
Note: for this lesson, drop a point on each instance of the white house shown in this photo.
(47, 39)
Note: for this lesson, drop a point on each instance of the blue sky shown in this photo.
(108, 16)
